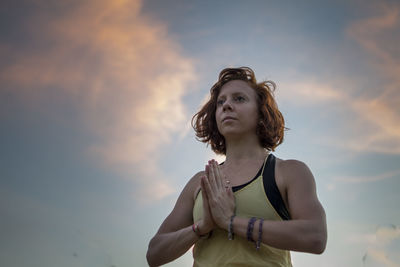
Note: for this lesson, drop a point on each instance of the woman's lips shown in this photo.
(228, 119)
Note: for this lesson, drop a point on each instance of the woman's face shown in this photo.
(237, 109)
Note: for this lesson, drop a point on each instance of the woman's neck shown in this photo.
(241, 150)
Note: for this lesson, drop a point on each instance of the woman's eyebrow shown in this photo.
(234, 93)
(240, 93)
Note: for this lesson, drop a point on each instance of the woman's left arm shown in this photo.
(306, 231)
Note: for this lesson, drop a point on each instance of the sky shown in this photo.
(96, 99)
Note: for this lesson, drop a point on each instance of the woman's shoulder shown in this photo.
(292, 169)
(290, 164)
(193, 185)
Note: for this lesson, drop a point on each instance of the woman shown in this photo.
(254, 208)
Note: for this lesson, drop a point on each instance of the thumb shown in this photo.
(203, 190)
(230, 192)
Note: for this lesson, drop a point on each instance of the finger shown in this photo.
(220, 176)
(203, 192)
(203, 188)
(229, 191)
(224, 183)
(217, 175)
(212, 178)
(207, 187)
(209, 176)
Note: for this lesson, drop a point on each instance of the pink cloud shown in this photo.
(372, 117)
(378, 35)
(124, 71)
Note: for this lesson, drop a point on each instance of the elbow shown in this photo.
(150, 256)
(318, 245)
(151, 260)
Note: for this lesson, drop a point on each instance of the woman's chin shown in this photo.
(231, 133)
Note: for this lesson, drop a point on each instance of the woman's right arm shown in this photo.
(175, 235)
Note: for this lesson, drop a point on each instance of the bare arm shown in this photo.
(175, 235)
(166, 247)
(306, 231)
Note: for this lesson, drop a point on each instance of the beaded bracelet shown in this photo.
(250, 227)
(230, 229)
(259, 233)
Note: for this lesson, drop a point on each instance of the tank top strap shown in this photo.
(265, 161)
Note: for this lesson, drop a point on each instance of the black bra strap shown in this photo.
(272, 191)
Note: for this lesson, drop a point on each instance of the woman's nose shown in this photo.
(227, 105)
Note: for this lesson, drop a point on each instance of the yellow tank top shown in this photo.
(251, 201)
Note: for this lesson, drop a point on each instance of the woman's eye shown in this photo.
(239, 98)
(220, 102)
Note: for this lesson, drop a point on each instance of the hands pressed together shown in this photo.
(218, 199)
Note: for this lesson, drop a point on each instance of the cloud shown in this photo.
(368, 179)
(119, 67)
(383, 247)
(380, 120)
(370, 114)
(378, 36)
(370, 123)
(309, 92)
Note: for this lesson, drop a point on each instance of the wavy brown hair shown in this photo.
(271, 126)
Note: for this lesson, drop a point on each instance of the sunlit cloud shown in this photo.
(383, 247)
(121, 69)
(380, 121)
(371, 123)
(368, 179)
(378, 36)
(309, 92)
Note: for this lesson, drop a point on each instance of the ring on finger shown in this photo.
(227, 184)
